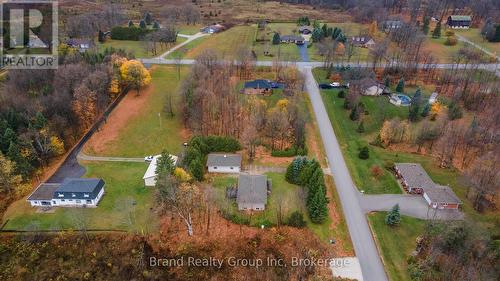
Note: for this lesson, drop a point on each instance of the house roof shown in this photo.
(151, 171)
(291, 38)
(224, 160)
(45, 191)
(252, 189)
(305, 27)
(362, 39)
(414, 175)
(442, 194)
(461, 17)
(258, 84)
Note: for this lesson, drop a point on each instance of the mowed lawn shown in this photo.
(152, 130)
(227, 42)
(125, 205)
(189, 29)
(137, 48)
(396, 243)
(351, 141)
(474, 35)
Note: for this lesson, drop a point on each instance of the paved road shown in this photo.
(411, 205)
(463, 39)
(364, 245)
(189, 39)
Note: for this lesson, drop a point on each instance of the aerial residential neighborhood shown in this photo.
(250, 140)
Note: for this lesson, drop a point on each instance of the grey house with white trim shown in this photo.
(72, 192)
(413, 177)
(223, 163)
(252, 192)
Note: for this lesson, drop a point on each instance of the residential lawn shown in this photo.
(148, 133)
(182, 51)
(137, 48)
(474, 35)
(396, 243)
(125, 205)
(227, 42)
(439, 50)
(189, 29)
(351, 141)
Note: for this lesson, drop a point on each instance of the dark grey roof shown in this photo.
(224, 160)
(258, 84)
(362, 39)
(252, 189)
(442, 194)
(414, 175)
(77, 188)
(291, 38)
(44, 191)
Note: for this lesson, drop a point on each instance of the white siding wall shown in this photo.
(151, 181)
(70, 202)
(214, 169)
(251, 206)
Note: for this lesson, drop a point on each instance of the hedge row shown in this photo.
(132, 33)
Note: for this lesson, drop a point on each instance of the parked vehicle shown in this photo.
(148, 158)
(325, 86)
(335, 84)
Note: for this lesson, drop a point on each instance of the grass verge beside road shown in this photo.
(137, 48)
(396, 243)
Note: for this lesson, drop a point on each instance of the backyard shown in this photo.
(396, 243)
(125, 205)
(474, 35)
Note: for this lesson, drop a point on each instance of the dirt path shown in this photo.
(118, 120)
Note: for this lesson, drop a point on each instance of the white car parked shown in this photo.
(148, 158)
(335, 84)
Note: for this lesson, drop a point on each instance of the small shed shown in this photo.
(223, 163)
(252, 192)
(433, 98)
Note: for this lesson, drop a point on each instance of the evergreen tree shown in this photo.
(413, 112)
(437, 31)
(165, 164)
(318, 207)
(393, 217)
(142, 24)
(130, 23)
(387, 82)
(196, 169)
(336, 33)
(148, 18)
(101, 37)
(426, 110)
(324, 30)
(156, 25)
(417, 97)
(296, 219)
(316, 35)
(276, 39)
(364, 153)
(454, 111)
(308, 171)
(361, 127)
(39, 122)
(400, 88)
(294, 169)
(341, 94)
(425, 26)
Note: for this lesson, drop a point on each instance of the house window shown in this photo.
(54, 202)
(70, 200)
(86, 195)
(231, 168)
(215, 168)
(60, 195)
(78, 201)
(73, 195)
(89, 201)
(36, 202)
(62, 200)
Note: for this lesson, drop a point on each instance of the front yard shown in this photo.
(125, 205)
(137, 48)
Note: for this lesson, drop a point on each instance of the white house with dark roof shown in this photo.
(72, 192)
(252, 192)
(150, 175)
(223, 163)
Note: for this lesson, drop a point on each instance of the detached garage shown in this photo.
(441, 197)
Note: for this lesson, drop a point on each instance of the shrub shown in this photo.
(454, 111)
(449, 33)
(364, 153)
(296, 219)
(132, 33)
(289, 152)
(376, 171)
(451, 41)
(393, 217)
(389, 165)
(341, 94)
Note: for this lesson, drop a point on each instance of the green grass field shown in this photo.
(227, 42)
(396, 243)
(189, 29)
(474, 35)
(182, 51)
(125, 205)
(145, 134)
(137, 48)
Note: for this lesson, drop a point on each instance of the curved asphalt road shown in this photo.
(364, 245)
